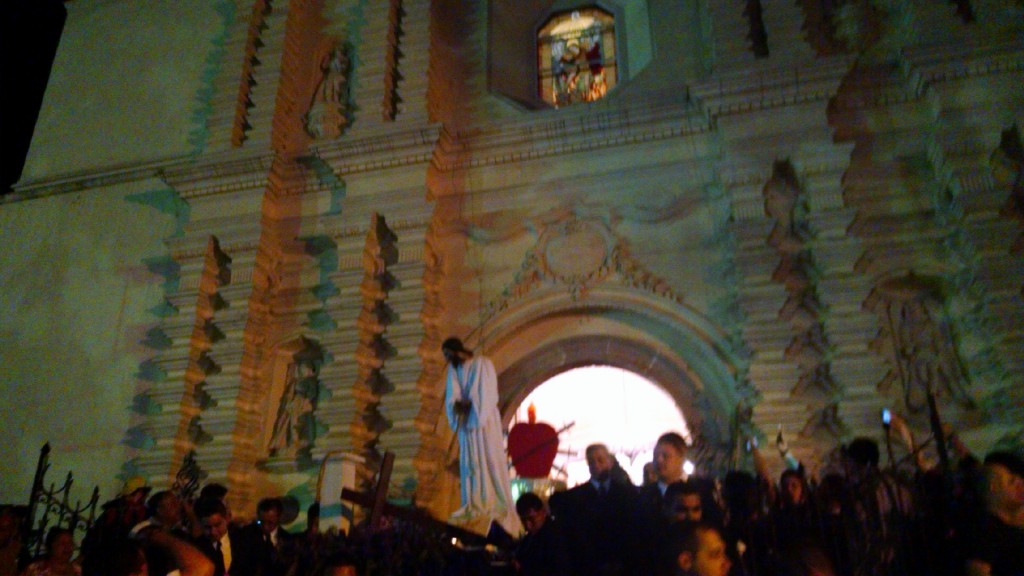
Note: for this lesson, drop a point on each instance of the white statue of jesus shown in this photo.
(471, 401)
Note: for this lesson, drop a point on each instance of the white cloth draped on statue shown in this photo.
(483, 467)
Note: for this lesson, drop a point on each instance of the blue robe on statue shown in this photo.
(483, 467)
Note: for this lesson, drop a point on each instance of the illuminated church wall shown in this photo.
(783, 217)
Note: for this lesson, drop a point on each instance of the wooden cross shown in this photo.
(376, 499)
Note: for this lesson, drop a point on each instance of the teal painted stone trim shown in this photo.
(326, 252)
(356, 20)
(325, 291)
(304, 495)
(326, 177)
(130, 469)
(143, 404)
(166, 267)
(199, 132)
(322, 247)
(323, 394)
(150, 371)
(139, 437)
(166, 201)
(157, 339)
(163, 310)
(321, 321)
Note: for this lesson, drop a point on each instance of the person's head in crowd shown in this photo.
(650, 474)
(698, 550)
(793, 488)
(682, 502)
(60, 545)
(1004, 484)
(740, 493)
(135, 490)
(863, 454)
(8, 525)
(669, 456)
(600, 462)
(268, 514)
(214, 490)
(341, 564)
(164, 507)
(116, 557)
(805, 558)
(532, 512)
(213, 516)
(832, 494)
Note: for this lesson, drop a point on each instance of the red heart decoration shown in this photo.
(532, 447)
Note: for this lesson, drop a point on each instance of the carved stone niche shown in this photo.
(327, 115)
(917, 340)
(290, 425)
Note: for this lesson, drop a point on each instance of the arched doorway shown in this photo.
(533, 338)
(608, 405)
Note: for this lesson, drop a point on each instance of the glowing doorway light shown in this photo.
(608, 405)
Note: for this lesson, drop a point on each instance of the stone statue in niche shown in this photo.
(919, 341)
(294, 427)
(326, 117)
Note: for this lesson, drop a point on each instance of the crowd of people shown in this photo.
(852, 519)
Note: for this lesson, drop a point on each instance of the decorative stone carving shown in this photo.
(818, 25)
(578, 254)
(374, 349)
(389, 105)
(1008, 172)
(327, 115)
(575, 252)
(874, 25)
(825, 424)
(757, 35)
(917, 341)
(294, 426)
(810, 348)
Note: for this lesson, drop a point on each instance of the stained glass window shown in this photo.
(576, 57)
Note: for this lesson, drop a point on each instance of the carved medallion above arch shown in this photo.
(575, 255)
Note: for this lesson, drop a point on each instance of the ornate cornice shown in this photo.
(933, 64)
(232, 171)
(746, 91)
(567, 131)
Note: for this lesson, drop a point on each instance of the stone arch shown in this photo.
(669, 343)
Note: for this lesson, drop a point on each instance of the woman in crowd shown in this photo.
(60, 548)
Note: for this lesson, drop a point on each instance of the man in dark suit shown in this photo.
(601, 519)
(669, 456)
(216, 540)
(543, 551)
(263, 547)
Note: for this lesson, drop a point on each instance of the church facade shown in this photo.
(246, 226)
